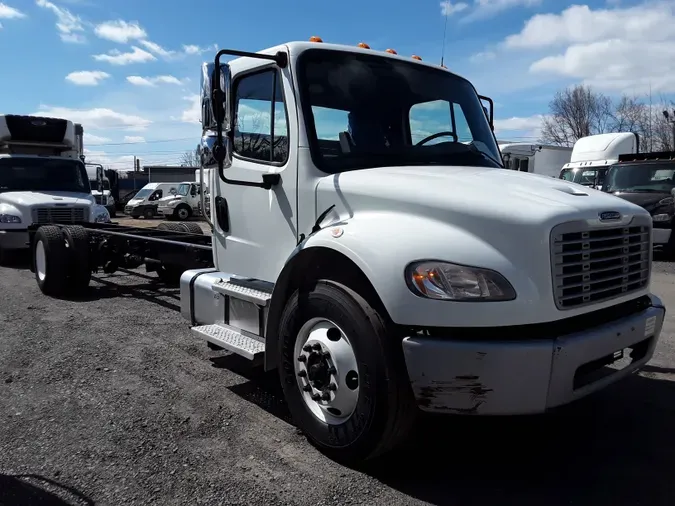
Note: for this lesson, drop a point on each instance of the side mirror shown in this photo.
(216, 111)
(489, 111)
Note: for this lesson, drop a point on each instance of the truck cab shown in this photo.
(182, 204)
(42, 178)
(592, 156)
(368, 246)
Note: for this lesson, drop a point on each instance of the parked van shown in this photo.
(145, 201)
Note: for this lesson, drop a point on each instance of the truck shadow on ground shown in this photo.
(614, 447)
(31, 490)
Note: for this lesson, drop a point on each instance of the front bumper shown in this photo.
(14, 239)
(511, 377)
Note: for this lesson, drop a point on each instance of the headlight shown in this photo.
(668, 201)
(661, 217)
(9, 218)
(102, 218)
(462, 283)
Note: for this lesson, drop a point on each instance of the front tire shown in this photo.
(182, 213)
(335, 323)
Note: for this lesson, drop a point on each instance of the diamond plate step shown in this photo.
(231, 340)
(239, 291)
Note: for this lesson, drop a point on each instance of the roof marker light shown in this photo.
(415, 57)
(363, 45)
(315, 38)
(390, 51)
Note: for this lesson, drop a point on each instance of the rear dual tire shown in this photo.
(61, 260)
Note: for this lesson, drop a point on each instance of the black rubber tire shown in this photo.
(170, 274)
(173, 227)
(55, 282)
(182, 207)
(191, 228)
(148, 213)
(385, 411)
(79, 268)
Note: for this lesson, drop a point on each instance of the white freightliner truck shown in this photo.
(42, 177)
(382, 276)
(182, 204)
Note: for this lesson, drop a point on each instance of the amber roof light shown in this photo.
(315, 38)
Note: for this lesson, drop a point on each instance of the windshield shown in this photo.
(39, 174)
(584, 176)
(642, 178)
(144, 193)
(94, 184)
(366, 111)
(183, 190)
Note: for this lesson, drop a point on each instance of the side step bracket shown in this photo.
(231, 340)
(250, 291)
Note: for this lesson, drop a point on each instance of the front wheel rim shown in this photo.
(182, 214)
(326, 371)
(40, 261)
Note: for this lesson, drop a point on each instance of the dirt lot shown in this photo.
(111, 401)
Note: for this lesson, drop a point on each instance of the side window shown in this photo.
(261, 129)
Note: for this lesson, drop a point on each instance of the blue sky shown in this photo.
(129, 70)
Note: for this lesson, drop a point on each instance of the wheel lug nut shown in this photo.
(302, 358)
(317, 347)
(316, 397)
(325, 396)
(307, 347)
(307, 388)
(332, 387)
(302, 374)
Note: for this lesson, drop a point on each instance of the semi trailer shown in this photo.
(377, 263)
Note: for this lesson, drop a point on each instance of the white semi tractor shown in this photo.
(42, 178)
(381, 275)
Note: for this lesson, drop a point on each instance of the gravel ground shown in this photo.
(110, 401)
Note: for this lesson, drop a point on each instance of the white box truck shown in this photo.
(541, 159)
(42, 178)
(381, 273)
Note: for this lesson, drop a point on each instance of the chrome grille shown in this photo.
(59, 214)
(592, 265)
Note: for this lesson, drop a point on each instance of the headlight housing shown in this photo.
(433, 279)
(661, 217)
(668, 201)
(101, 214)
(9, 218)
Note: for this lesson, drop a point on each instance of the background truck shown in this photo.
(145, 201)
(376, 262)
(103, 195)
(182, 204)
(593, 155)
(42, 178)
(535, 158)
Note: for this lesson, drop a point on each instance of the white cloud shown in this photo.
(619, 49)
(194, 49)
(115, 57)
(519, 128)
(94, 139)
(120, 31)
(156, 48)
(193, 113)
(448, 8)
(482, 56)
(7, 12)
(97, 118)
(68, 25)
(87, 77)
(153, 81)
(484, 8)
(135, 139)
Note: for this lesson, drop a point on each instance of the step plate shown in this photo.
(242, 292)
(231, 340)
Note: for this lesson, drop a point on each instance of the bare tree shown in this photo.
(574, 113)
(191, 158)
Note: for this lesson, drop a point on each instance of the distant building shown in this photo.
(169, 173)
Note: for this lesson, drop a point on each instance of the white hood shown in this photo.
(463, 194)
(30, 199)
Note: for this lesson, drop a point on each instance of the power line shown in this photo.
(145, 142)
